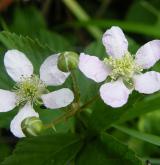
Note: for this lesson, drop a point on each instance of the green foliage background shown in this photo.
(101, 135)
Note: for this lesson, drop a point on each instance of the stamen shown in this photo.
(124, 68)
(29, 89)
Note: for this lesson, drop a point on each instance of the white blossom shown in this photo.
(121, 72)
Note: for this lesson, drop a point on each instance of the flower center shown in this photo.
(124, 67)
(29, 89)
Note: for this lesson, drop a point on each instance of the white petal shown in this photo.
(15, 126)
(7, 100)
(49, 72)
(93, 68)
(148, 54)
(148, 82)
(115, 42)
(115, 93)
(58, 99)
(17, 65)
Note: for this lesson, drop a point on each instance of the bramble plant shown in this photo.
(78, 106)
(30, 90)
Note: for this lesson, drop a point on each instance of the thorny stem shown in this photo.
(71, 113)
(61, 118)
(88, 103)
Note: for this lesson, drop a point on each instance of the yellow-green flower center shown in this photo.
(29, 89)
(124, 67)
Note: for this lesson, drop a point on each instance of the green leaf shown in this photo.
(121, 150)
(140, 135)
(45, 150)
(4, 150)
(54, 41)
(35, 51)
(27, 21)
(149, 123)
(142, 106)
(103, 117)
(107, 151)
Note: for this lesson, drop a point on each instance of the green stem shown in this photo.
(61, 119)
(81, 15)
(88, 103)
(75, 87)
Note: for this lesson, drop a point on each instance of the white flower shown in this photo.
(30, 89)
(123, 71)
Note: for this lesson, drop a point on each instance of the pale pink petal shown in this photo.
(115, 42)
(148, 54)
(17, 65)
(148, 82)
(15, 126)
(49, 72)
(58, 99)
(93, 68)
(7, 100)
(114, 93)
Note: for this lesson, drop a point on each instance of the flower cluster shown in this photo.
(31, 89)
(121, 73)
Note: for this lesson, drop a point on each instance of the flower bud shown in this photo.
(68, 61)
(32, 126)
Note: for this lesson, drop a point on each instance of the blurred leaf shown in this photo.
(142, 105)
(27, 21)
(137, 134)
(149, 123)
(54, 41)
(143, 148)
(108, 151)
(30, 22)
(4, 150)
(120, 149)
(57, 149)
(139, 28)
(139, 13)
